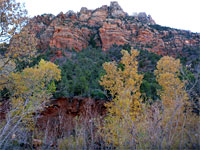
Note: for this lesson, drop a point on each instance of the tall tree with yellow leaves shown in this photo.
(173, 89)
(124, 86)
(174, 99)
(30, 89)
(22, 46)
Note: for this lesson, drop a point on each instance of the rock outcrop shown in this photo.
(62, 114)
(109, 25)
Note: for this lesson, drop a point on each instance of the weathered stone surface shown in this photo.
(68, 37)
(116, 10)
(113, 33)
(62, 114)
(98, 16)
(62, 110)
(109, 25)
(85, 14)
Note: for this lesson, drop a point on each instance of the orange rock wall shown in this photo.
(109, 25)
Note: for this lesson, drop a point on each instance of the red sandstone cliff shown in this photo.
(106, 26)
(61, 115)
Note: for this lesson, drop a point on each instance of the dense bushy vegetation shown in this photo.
(81, 72)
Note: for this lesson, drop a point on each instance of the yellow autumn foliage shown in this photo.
(173, 89)
(167, 123)
(124, 86)
(29, 88)
(176, 122)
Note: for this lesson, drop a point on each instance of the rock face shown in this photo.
(109, 25)
(62, 114)
(116, 10)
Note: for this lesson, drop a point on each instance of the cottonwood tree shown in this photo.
(164, 124)
(123, 83)
(168, 123)
(173, 89)
(175, 120)
(29, 89)
(22, 46)
(12, 19)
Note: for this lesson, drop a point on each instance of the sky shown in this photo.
(180, 14)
